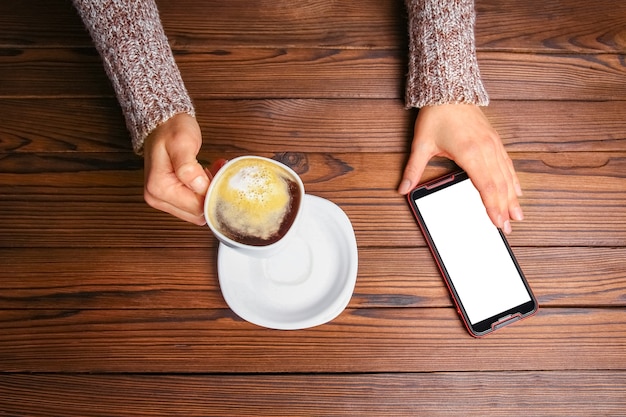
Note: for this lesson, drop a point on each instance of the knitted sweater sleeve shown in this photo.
(139, 62)
(442, 54)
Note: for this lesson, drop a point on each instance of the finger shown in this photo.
(192, 174)
(191, 217)
(167, 191)
(164, 191)
(515, 191)
(420, 155)
(512, 209)
(196, 215)
(485, 168)
(182, 154)
(170, 153)
(500, 191)
(516, 182)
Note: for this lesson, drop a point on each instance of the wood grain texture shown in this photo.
(359, 340)
(343, 125)
(540, 27)
(108, 307)
(574, 25)
(434, 394)
(570, 199)
(316, 73)
(171, 278)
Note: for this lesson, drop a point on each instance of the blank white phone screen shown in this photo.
(471, 248)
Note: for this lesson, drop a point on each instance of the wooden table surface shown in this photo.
(109, 307)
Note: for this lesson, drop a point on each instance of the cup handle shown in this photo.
(217, 165)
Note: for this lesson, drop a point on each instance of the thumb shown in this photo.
(187, 168)
(414, 169)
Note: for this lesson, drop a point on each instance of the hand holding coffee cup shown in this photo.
(253, 204)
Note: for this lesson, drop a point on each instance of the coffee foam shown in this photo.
(252, 198)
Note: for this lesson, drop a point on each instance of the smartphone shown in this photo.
(474, 257)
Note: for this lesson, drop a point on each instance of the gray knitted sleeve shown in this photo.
(442, 54)
(139, 62)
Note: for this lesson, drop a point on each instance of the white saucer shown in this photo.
(308, 283)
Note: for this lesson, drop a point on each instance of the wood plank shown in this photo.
(343, 125)
(574, 25)
(552, 77)
(104, 278)
(318, 23)
(540, 27)
(243, 73)
(62, 125)
(562, 126)
(64, 200)
(53, 73)
(41, 24)
(385, 126)
(317, 73)
(577, 393)
(211, 24)
(359, 340)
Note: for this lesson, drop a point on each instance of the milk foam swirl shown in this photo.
(252, 199)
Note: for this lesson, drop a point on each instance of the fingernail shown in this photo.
(507, 227)
(199, 185)
(500, 221)
(518, 214)
(404, 187)
(518, 190)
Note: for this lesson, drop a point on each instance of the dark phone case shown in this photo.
(505, 319)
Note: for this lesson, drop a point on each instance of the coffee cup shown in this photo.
(254, 204)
